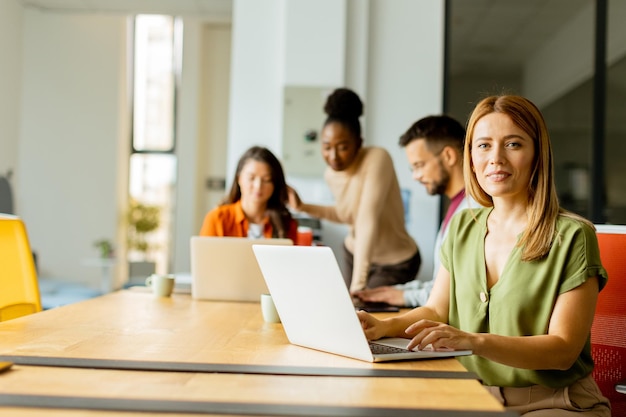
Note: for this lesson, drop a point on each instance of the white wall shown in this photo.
(256, 78)
(10, 82)
(315, 42)
(68, 161)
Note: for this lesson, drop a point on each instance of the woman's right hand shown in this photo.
(293, 199)
(373, 328)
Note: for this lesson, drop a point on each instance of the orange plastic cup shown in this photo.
(305, 236)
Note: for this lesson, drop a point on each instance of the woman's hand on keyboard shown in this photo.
(439, 335)
(373, 328)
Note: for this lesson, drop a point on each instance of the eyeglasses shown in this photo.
(421, 164)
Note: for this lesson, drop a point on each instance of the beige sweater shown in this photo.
(367, 197)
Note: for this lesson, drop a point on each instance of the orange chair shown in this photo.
(608, 333)
(19, 289)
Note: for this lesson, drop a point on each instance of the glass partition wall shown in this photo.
(547, 51)
(615, 121)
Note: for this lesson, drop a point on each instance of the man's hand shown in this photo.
(386, 294)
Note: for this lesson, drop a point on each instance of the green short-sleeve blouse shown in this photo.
(521, 302)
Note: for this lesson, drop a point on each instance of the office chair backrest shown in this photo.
(19, 290)
(608, 333)
(6, 196)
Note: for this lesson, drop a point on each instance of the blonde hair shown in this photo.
(543, 204)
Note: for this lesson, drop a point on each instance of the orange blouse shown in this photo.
(230, 220)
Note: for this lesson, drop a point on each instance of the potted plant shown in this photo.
(143, 219)
(105, 247)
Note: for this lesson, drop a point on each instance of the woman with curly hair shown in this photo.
(377, 250)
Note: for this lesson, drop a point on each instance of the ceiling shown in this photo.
(487, 36)
(218, 8)
(497, 36)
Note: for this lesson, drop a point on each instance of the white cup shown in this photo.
(270, 315)
(162, 285)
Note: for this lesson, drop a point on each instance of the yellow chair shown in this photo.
(19, 290)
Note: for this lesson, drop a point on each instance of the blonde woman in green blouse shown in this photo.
(519, 279)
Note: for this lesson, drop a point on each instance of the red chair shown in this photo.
(608, 333)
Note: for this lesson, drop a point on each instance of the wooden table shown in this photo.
(136, 326)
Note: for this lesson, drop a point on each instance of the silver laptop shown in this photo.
(316, 309)
(224, 268)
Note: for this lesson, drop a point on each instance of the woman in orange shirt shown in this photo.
(255, 207)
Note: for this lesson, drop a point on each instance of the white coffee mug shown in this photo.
(162, 285)
(268, 309)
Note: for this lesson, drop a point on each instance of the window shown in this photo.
(548, 52)
(157, 53)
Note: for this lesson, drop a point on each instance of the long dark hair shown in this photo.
(279, 215)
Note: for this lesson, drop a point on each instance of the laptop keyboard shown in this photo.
(378, 349)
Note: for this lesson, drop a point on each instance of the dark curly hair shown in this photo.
(344, 106)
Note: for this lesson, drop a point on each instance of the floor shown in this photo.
(57, 293)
